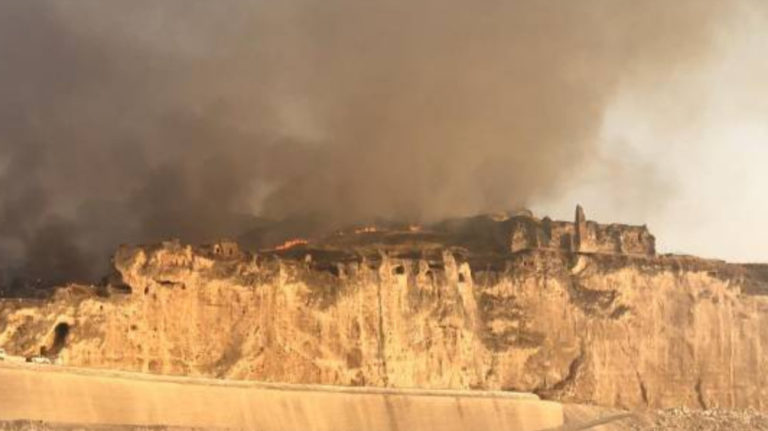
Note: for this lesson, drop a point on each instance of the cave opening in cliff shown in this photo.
(60, 335)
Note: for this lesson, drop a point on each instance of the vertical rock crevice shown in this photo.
(382, 339)
(700, 395)
(643, 389)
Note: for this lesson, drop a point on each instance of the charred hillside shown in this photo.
(576, 311)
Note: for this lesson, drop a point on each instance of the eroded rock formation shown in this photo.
(597, 317)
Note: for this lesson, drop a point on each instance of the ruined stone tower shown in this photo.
(580, 238)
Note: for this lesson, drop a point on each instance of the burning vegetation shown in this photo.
(291, 243)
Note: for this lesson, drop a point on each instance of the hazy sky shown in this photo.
(700, 139)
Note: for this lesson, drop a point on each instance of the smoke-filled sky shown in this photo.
(692, 147)
(133, 121)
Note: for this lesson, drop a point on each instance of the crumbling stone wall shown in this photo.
(225, 249)
(619, 239)
(526, 232)
(560, 234)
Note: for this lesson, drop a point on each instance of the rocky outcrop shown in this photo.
(411, 309)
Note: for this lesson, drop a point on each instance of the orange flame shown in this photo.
(292, 243)
(414, 228)
(367, 229)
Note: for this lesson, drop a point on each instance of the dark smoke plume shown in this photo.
(136, 121)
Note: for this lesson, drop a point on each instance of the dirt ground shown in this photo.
(680, 419)
(701, 420)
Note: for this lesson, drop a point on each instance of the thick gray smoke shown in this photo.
(140, 120)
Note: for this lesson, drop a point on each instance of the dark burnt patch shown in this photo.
(596, 302)
(325, 287)
(517, 331)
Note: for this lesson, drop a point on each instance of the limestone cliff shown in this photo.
(418, 308)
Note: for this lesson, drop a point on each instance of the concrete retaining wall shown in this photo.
(66, 395)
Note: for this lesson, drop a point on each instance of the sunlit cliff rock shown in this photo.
(570, 310)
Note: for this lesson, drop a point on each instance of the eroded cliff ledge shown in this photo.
(570, 310)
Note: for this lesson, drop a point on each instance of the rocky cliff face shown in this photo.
(412, 309)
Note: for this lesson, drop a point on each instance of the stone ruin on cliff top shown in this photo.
(582, 236)
(498, 234)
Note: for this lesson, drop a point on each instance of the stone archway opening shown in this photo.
(60, 335)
